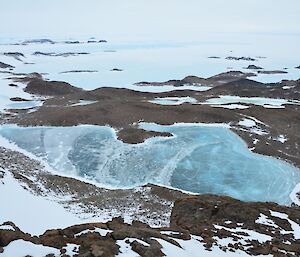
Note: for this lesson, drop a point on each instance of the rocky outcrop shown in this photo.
(67, 54)
(10, 232)
(50, 88)
(136, 135)
(243, 58)
(19, 99)
(254, 67)
(72, 42)
(78, 71)
(97, 239)
(198, 213)
(13, 85)
(227, 77)
(5, 66)
(211, 222)
(116, 69)
(213, 81)
(212, 217)
(16, 55)
(250, 88)
(38, 41)
(272, 72)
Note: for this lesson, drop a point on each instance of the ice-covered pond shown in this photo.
(262, 101)
(200, 159)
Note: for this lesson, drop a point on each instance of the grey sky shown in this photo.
(139, 20)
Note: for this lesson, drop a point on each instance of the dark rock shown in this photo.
(115, 69)
(153, 250)
(253, 67)
(7, 236)
(14, 54)
(197, 213)
(5, 66)
(63, 251)
(216, 80)
(18, 56)
(42, 53)
(240, 58)
(19, 99)
(59, 54)
(298, 67)
(136, 136)
(79, 71)
(38, 41)
(272, 72)
(98, 251)
(72, 42)
(230, 76)
(50, 88)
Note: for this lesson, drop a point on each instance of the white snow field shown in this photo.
(43, 214)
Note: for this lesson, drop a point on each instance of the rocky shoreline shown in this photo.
(209, 222)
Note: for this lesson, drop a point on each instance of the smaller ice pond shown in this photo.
(199, 159)
(262, 101)
(227, 101)
(174, 100)
(24, 104)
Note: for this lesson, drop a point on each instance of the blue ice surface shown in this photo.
(199, 159)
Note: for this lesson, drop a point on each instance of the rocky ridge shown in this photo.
(210, 222)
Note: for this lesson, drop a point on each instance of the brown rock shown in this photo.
(50, 88)
(19, 99)
(136, 136)
(97, 251)
(5, 66)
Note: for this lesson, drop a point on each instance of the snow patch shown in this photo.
(24, 248)
(295, 227)
(265, 220)
(101, 231)
(28, 211)
(174, 100)
(247, 123)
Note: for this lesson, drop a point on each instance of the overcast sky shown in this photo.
(138, 20)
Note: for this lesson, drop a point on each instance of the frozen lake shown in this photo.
(199, 159)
